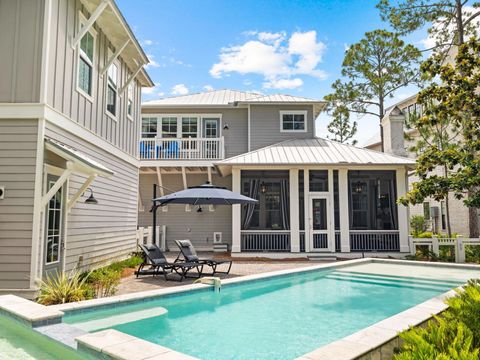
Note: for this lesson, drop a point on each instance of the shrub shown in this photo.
(418, 225)
(425, 235)
(104, 281)
(63, 288)
(131, 263)
(472, 253)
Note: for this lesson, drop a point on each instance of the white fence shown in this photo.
(145, 234)
(434, 244)
(182, 149)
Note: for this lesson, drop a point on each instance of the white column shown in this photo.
(236, 213)
(331, 212)
(343, 208)
(306, 201)
(294, 212)
(402, 184)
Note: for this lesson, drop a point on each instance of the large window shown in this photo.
(149, 127)
(130, 91)
(85, 63)
(54, 226)
(112, 80)
(189, 127)
(169, 127)
(372, 200)
(295, 121)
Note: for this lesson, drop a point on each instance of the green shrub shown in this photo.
(63, 288)
(131, 263)
(472, 253)
(104, 281)
(425, 235)
(418, 225)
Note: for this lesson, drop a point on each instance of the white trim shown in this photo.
(114, 57)
(71, 202)
(236, 213)
(89, 23)
(45, 51)
(62, 219)
(344, 210)
(320, 196)
(132, 115)
(294, 211)
(129, 80)
(402, 211)
(248, 128)
(78, 54)
(58, 184)
(115, 86)
(294, 112)
(306, 208)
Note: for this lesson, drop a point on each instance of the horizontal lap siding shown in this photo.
(105, 231)
(198, 227)
(18, 144)
(265, 125)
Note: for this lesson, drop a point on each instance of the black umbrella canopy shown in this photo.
(206, 194)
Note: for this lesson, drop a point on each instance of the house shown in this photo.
(433, 211)
(316, 197)
(70, 88)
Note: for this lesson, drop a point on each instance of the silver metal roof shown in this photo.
(315, 151)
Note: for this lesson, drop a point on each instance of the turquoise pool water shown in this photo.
(20, 343)
(279, 318)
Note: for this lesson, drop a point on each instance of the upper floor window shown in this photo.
(149, 127)
(112, 80)
(85, 63)
(189, 127)
(293, 121)
(169, 127)
(130, 90)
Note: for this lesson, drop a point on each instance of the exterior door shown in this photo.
(319, 223)
(211, 130)
(54, 242)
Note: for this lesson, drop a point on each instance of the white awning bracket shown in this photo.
(130, 79)
(58, 184)
(114, 57)
(95, 15)
(71, 202)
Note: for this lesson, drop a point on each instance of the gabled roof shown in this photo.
(315, 151)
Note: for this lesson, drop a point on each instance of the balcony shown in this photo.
(205, 149)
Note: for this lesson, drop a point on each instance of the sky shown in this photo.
(267, 46)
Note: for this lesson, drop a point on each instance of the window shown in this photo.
(54, 226)
(426, 210)
(211, 127)
(318, 180)
(189, 127)
(169, 127)
(149, 127)
(130, 90)
(85, 63)
(112, 79)
(293, 121)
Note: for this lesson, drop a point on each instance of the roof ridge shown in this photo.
(200, 92)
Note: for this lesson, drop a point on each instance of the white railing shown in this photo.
(265, 240)
(145, 236)
(182, 149)
(434, 244)
(374, 240)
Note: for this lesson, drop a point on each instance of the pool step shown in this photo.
(396, 278)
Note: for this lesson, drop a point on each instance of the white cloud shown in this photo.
(151, 62)
(179, 89)
(151, 90)
(147, 42)
(283, 84)
(208, 88)
(279, 59)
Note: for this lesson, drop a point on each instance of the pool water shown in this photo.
(20, 343)
(278, 318)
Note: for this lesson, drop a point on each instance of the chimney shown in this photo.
(393, 127)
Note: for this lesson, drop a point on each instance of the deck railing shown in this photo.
(182, 149)
(458, 244)
(374, 240)
(263, 241)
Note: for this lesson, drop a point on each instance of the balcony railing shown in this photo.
(265, 241)
(373, 240)
(182, 149)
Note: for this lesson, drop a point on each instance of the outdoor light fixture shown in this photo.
(263, 187)
(91, 199)
(226, 127)
(358, 187)
(199, 210)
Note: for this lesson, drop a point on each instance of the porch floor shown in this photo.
(240, 267)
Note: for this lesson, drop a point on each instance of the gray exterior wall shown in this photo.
(265, 125)
(62, 91)
(21, 44)
(105, 231)
(181, 224)
(18, 151)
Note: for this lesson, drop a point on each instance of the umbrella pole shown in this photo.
(154, 216)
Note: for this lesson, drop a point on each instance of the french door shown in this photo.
(319, 223)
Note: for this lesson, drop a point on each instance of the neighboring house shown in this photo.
(433, 211)
(70, 89)
(316, 197)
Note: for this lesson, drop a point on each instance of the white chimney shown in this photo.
(393, 134)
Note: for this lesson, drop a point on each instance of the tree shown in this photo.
(450, 22)
(341, 128)
(451, 122)
(373, 70)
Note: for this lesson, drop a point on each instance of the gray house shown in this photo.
(70, 85)
(316, 197)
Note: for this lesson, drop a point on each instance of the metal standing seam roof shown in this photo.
(315, 151)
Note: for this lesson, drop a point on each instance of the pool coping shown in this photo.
(349, 347)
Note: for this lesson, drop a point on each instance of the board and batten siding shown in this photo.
(18, 151)
(100, 233)
(62, 91)
(181, 224)
(237, 119)
(21, 25)
(265, 125)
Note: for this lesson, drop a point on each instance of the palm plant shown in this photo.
(62, 288)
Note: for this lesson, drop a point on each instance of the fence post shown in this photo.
(411, 244)
(435, 246)
(459, 250)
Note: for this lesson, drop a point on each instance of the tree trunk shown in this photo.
(381, 110)
(473, 230)
(447, 208)
(459, 19)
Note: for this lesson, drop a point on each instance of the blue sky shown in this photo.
(293, 47)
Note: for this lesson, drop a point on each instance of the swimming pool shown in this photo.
(276, 318)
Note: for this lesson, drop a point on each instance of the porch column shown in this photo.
(402, 184)
(306, 200)
(331, 212)
(294, 212)
(344, 213)
(236, 213)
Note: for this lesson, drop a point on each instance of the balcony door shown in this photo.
(211, 130)
(319, 223)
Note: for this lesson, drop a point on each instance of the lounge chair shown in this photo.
(157, 261)
(190, 255)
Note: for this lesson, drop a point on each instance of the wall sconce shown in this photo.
(263, 187)
(226, 127)
(199, 210)
(91, 199)
(358, 187)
